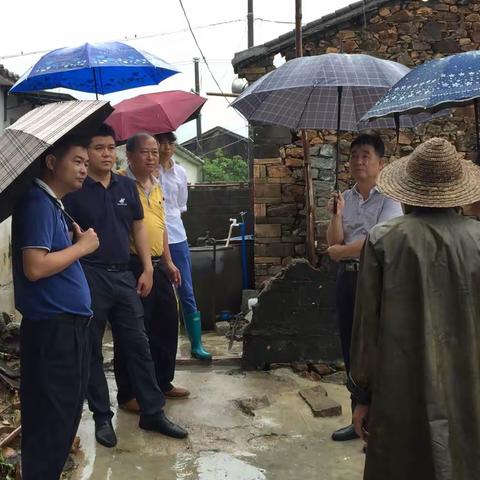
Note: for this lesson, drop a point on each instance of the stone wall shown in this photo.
(409, 32)
(280, 203)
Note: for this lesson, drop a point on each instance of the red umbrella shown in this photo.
(154, 113)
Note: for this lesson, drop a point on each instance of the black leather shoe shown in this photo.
(160, 423)
(105, 434)
(344, 434)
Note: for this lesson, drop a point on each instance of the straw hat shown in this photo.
(434, 175)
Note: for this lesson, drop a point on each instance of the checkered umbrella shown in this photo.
(305, 93)
(29, 137)
(331, 91)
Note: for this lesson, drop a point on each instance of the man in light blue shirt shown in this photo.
(358, 211)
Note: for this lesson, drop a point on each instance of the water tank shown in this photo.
(217, 280)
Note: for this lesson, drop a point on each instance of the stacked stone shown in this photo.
(409, 32)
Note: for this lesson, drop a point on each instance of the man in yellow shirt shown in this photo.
(161, 305)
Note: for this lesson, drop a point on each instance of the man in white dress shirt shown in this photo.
(173, 179)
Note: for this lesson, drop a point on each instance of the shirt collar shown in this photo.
(164, 170)
(90, 181)
(46, 188)
(129, 174)
(372, 191)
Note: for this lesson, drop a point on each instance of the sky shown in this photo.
(160, 28)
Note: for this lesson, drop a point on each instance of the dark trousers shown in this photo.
(115, 299)
(55, 359)
(161, 323)
(345, 301)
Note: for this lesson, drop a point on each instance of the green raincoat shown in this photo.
(416, 347)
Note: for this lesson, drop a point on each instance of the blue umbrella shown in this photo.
(435, 85)
(98, 68)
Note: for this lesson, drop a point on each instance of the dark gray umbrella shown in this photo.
(331, 91)
(304, 93)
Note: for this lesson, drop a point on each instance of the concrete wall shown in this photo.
(194, 172)
(6, 286)
(15, 109)
(210, 206)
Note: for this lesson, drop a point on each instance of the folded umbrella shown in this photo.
(154, 113)
(98, 68)
(23, 143)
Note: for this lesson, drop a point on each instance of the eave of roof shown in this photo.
(213, 130)
(287, 40)
(7, 78)
(191, 156)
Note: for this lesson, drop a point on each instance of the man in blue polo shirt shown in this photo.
(52, 294)
(110, 204)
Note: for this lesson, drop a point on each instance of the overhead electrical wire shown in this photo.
(201, 51)
(152, 35)
(130, 38)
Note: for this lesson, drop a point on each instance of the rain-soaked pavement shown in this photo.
(281, 442)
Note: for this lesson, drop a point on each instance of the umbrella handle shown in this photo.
(335, 207)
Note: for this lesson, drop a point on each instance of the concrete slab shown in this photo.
(282, 441)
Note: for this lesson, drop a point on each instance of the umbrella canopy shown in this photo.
(154, 113)
(29, 137)
(447, 82)
(304, 93)
(99, 68)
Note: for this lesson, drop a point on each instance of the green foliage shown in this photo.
(7, 471)
(225, 169)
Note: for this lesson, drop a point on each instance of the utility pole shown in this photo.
(298, 29)
(309, 195)
(196, 62)
(250, 131)
(250, 23)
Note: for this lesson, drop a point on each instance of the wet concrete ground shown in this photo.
(281, 442)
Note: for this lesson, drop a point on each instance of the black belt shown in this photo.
(156, 261)
(73, 319)
(350, 265)
(110, 267)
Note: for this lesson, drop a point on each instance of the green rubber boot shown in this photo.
(193, 325)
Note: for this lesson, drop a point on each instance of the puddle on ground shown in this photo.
(215, 466)
(205, 466)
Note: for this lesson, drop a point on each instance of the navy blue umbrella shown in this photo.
(98, 68)
(435, 85)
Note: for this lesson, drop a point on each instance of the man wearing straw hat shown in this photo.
(358, 210)
(416, 341)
